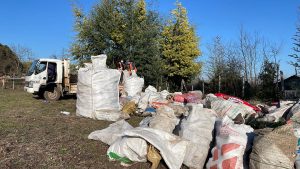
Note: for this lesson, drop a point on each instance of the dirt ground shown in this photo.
(34, 134)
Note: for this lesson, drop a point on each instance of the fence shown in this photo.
(13, 83)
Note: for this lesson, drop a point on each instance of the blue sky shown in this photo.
(47, 26)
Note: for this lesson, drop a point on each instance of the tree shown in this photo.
(216, 62)
(224, 65)
(122, 29)
(180, 48)
(9, 62)
(249, 50)
(25, 56)
(296, 49)
(267, 78)
(99, 32)
(232, 76)
(141, 40)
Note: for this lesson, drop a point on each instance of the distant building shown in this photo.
(291, 87)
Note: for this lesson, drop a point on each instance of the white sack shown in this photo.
(164, 119)
(164, 94)
(110, 134)
(197, 128)
(133, 84)
(150, 89)
(171, 147)
(99, 62)
(148, 97)
(132, 148)
(278, 112)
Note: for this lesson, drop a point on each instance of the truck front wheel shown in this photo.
(52, 94)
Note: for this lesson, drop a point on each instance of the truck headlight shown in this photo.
(30, 84)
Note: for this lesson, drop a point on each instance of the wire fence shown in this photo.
(12, 83)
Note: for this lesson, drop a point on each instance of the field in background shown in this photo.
(34, 134)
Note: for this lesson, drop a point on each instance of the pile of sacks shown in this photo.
(210, 132)
(184, 128)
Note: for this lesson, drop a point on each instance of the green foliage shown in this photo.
(122, 29)
(99, 32)
(180, 47)
(267, 76)
(9, 62)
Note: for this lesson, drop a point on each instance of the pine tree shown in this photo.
(180, 47)
(267, 77)
(145, 50)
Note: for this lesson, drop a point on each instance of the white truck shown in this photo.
(50, 78)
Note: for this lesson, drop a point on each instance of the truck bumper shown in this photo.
(29, 90)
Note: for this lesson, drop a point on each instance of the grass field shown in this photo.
(34, 134)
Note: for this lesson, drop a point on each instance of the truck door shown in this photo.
(41, 72)
(52, 72)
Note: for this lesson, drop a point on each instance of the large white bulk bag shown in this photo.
(98, 93)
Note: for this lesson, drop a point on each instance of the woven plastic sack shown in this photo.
(197, 128)
(275, 149)
(150, 95)
(171, 147)
(128, 150)
(133, 85)
(110, 134)
(231, 142)
(227, 108)
(164, 119)
(99, 62)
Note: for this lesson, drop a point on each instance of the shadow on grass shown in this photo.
(65, 97)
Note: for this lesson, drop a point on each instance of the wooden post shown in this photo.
(3, 81)
(203, 86)
(219, 83)
(243, 88)
(13, 81)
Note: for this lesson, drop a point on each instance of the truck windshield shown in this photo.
(32, 67)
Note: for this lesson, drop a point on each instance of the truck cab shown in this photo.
(49, 78)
